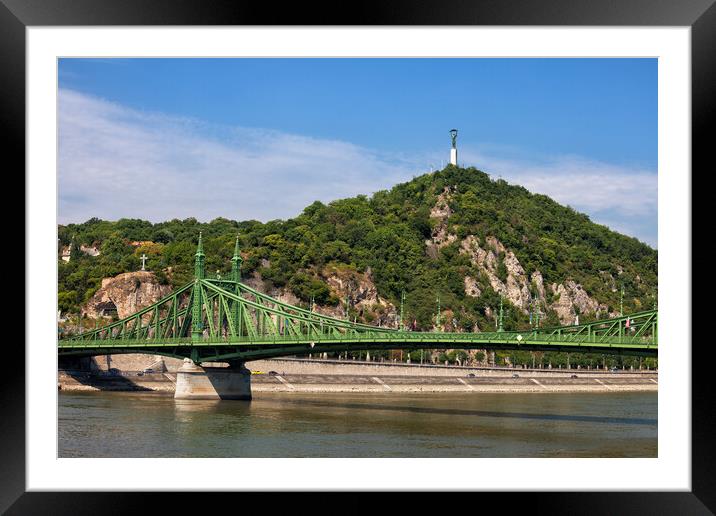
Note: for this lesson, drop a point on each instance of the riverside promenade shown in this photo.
(314, 375)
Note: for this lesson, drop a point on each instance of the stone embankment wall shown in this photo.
(329, 376)
(335, 367)
(136, 362)
(94, 381)
(365, 383)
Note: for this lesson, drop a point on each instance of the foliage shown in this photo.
(385, 233)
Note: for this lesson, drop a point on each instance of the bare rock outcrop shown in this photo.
(125, 294)
(472, 287)
(362, 295)
(287, 297)
(538, 282)
(516, 286)
(571, 295)
(571, 298)
(255, 282)
(440, 213)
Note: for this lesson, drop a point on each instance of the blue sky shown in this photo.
(165, 138)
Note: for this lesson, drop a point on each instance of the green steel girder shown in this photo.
(224, 319)
(215, 353)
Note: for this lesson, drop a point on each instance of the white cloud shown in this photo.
(623, 198)
(117, 162)
(583, 184)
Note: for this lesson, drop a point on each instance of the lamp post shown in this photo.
(437, 317)
(401, 327)
(500, 328)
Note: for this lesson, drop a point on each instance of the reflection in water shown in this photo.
(185, 409)
(360, 425)
(483, 413)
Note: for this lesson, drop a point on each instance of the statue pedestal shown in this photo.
(212, 383)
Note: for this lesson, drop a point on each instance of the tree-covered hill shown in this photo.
(415, 237)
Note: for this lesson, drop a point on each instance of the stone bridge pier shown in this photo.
(213, 383)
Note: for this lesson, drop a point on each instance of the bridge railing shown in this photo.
(443, 339)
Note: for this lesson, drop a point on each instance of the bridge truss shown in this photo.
(225, 320)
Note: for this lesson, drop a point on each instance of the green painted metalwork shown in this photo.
(500, 327)
(401, 326)
(197, 327)
(222, 319)
(437, 314)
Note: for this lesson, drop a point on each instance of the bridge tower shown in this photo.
(236, 261)
(193, 380)
(453, 150)
(197, 327)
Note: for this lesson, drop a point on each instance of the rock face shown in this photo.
(358, 287)
(362, 296)
(472, 288)
(538, 283)
(440, 213)
(256, 282)
(515, 285)
(503, 272)
(571, 298)
(499, 268)
(125, 294)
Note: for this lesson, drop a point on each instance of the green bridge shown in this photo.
(224, 320)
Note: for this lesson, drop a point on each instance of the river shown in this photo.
(126, 424)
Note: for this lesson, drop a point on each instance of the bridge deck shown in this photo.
(224, 319)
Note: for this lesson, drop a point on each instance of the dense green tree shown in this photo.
(386, 233)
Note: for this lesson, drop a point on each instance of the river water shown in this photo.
(125, 424)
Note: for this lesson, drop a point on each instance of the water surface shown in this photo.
(126, 424)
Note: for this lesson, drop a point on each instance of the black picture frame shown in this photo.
(17, 15)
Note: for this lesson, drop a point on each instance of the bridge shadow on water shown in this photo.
(477, 413)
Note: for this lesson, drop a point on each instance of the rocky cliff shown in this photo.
(455, 234)
(362, 295)
(125, 294)
(500, 269)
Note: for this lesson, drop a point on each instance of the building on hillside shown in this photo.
(89, 250)
(138, 243)
(66, 252)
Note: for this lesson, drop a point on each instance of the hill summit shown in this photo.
(455, 238)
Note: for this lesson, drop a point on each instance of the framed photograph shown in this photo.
(269, 255)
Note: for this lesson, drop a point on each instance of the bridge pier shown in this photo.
(213, 383)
